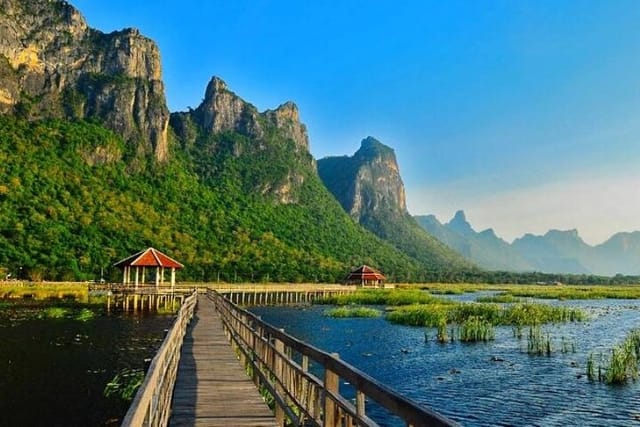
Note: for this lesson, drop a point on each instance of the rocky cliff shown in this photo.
(53, 65)
(224, 127)
(369, 187)
(367, 183)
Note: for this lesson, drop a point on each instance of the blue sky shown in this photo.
(526, 114)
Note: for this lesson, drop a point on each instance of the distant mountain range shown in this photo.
(555, 252)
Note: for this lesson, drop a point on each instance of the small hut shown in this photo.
(365, 276)
(148, 258)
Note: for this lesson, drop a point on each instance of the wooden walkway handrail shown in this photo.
(152, 404)
(279, 363)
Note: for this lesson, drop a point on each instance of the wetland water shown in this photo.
(484, 384)
(53, 370)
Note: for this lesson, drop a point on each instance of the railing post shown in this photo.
(331, 384)
(279, 369)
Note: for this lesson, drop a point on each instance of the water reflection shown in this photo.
(53, 370)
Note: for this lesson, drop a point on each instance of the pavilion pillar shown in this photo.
(157, 276)
(173, 277)
(124, 275)
(137, 272)
(128, 274)
(162, 276)
(144, 270)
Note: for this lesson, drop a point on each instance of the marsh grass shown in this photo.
(499, 298)
(343, 312)
(521, 314)
(622, 365)
(561, 292)
(40, 291)
(393, 297)
(476, 329)
(538, 343)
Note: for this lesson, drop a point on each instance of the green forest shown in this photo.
(74, 199)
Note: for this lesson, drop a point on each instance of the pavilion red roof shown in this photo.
(365, 272)
(150, 257)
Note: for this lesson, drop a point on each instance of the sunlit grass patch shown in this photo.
(344, 311)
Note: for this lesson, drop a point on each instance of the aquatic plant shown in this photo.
(499, 298)
(393, 297)
(623, 363)
(476, 329)
(54, 313)
(441, 335)
(356, 311)
(85, 315)
(537, 342)
(521, 314)
(124, 384)
(561, 292)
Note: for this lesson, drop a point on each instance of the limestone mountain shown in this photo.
(484, 248)
(52, 65)
(270, 148)
(556, 251)
(237, 197)
(369, 187)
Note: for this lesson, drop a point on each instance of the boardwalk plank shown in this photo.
(212, 388)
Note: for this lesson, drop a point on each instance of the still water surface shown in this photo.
(53, 371)
(484, 384)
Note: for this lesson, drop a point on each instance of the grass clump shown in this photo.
(538, 343)
(54, 313)
(343, 312)
(622, 365)
(499, 298)
(394, 297)
(476, 329)
(124, 384)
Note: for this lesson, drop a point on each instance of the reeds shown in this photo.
(538, 343)
(476, 329)
(623, 364)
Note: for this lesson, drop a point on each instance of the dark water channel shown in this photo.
(484, 384)
(53, 370)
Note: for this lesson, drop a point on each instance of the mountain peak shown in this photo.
(370, 148)
(460, 224)
(459, 216)
(216, 84)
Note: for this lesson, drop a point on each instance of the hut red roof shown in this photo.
(365, 273)
(150, 257)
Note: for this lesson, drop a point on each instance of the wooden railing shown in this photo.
(152, 404)
(279, 366)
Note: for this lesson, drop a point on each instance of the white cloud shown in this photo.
(597, 206)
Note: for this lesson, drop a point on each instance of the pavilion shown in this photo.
(365, 276)
(148, 258)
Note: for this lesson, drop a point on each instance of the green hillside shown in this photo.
(74, 199)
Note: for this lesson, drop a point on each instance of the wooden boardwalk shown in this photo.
(212, 388)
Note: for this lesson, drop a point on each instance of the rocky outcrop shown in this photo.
(366, 183)
(270, 134)
(369, 188)
(53, 65)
